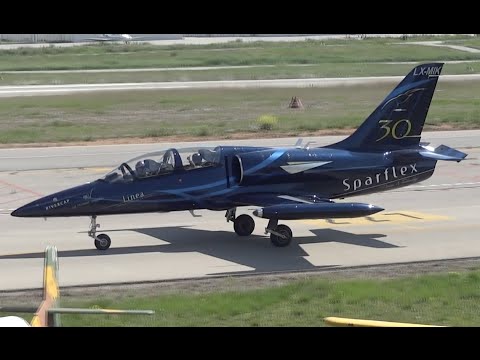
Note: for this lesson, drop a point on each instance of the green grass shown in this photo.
(216, 113)
(253, 73)
(235, 53)
(442, 299)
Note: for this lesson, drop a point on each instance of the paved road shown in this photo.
(202, 68)
(433, 220)
(43, 158)
(442, 44)
(186, 68)
(35, 90)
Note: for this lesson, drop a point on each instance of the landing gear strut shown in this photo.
(243, 225)
(280, 235)
(102, 241)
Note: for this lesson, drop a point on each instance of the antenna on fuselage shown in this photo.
(308, 143)
(298, 144)
(193, 214)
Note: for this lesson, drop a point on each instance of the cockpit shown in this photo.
(165, 162)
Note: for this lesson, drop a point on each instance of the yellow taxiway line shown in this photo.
(387, 218)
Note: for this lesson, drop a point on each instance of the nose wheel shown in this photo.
(101, 241)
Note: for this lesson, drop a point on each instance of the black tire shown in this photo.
(102, 242)
(279, 241)
(244, 225)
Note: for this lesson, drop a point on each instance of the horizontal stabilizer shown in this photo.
(443, 152)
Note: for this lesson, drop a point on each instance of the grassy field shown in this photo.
(218, 113)
(252, 73)
(442, 299)
(235, 53)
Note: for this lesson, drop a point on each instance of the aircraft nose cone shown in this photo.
(58, 204)
(17, 213)
(28, 210)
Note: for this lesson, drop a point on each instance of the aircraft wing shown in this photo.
(99, 39)
(105, 39)
(287, 207)
(274, 199)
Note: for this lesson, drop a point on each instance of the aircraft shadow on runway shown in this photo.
(254, 251)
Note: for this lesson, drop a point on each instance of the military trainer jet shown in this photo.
(288, 183)
(114, 37)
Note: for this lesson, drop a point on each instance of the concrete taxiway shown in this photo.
(37, 90)
(205, 40)
(436, 219)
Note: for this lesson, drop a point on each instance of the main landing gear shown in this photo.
(243, 225)
(280, 235)
(102, 241)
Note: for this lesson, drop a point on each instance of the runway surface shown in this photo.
(436, 219)
(193, 40)
(36, 90)
(202, 68)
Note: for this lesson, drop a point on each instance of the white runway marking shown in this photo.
(30, 90)
(438, 185)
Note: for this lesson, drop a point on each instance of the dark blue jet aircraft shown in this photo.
(291, 183)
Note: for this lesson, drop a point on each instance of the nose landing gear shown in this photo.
(102, 241)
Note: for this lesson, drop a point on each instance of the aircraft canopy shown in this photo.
(164, 162)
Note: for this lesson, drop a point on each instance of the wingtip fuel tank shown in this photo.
(316, 211)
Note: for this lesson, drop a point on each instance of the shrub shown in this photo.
(267, 122)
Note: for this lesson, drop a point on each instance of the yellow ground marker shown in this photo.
(36, 321)
(51, 284)
(337, 321)
(51, 291)
(48, 313)
(398, 217)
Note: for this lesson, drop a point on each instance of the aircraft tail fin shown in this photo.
(399, 119)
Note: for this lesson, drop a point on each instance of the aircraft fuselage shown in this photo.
(241, 174)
